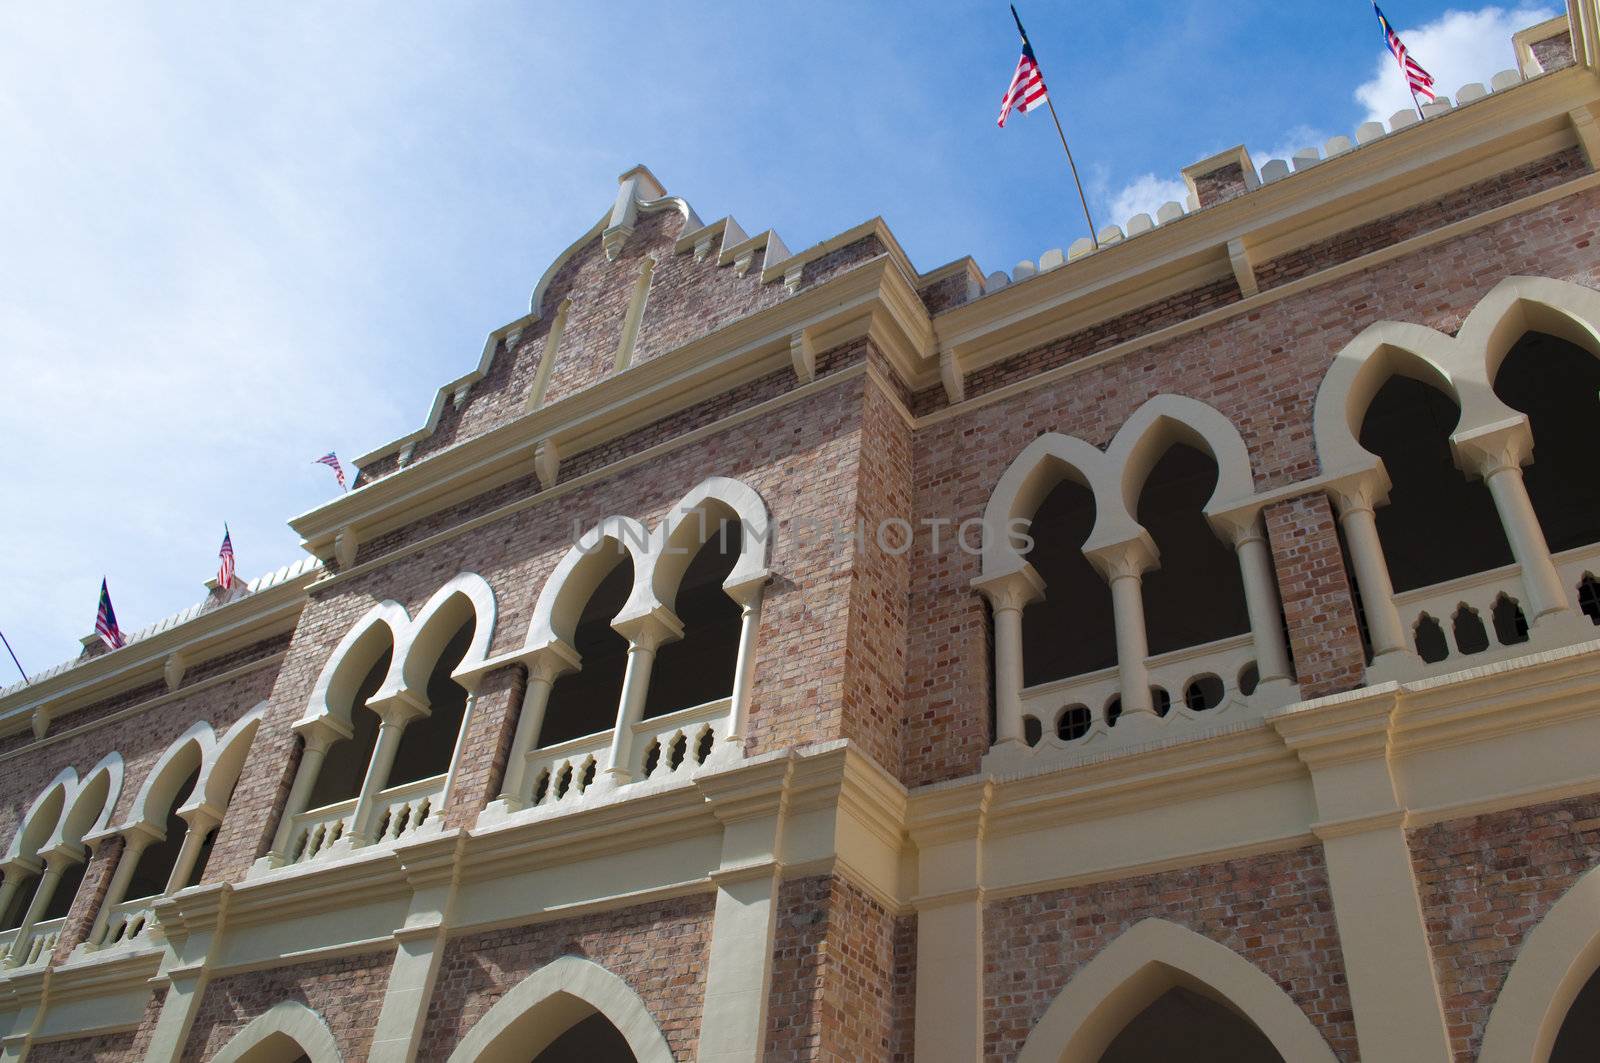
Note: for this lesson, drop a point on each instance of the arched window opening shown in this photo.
(1438, 525)
(1196, 596)
(428, 742)
(1557, 384)
(590, 1040)
(1431, 646)
(1589, 597)
(586, 701)
(154, 869)
(698, 668)
(346, 763)
(1510, 623)
(11, 918)
(1467, 625)
(66, 891)
(1070, 631)
(1183, 1024)
(1578, 1040)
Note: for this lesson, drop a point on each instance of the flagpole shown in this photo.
(1076, 180)
(1093, 236)
(13, 656)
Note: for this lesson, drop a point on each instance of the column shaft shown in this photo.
(635, 687)
(529, 722)
(117, 890)
(1384, 627)
(1008, 674)
(1261, 601)
(1127, 603)
(305, 778)
(1539, 577)
(362, 826)
(744, 672)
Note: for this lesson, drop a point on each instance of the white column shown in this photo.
(17, 872)
(1009, 594)
(56, 862)
(1498, 457)
(748, 596)
(135, 840)
(545, 665)
(1261, 598)
(1123, 565)
(395, 712)
(317, 736)
(645, 635)
(1355, 500)
(202, 821)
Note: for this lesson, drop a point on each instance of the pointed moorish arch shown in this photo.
(69, 809)
(281, 1034)
(1555, 961)
(1463, 366)
(579, 572)
(691, 523)
(219, 761)
(1116, 475)
(551, 1001)
(1150, 958)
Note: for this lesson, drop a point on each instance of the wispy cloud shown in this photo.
(1143, 195)
(1457, 48)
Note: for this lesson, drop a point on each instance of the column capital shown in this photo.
(22, 865)
(552, 661)
(140, 835)
(1240, 526)
(1484, 452)
(64, 856)
(202, 817)
(649, 630)
(1015, 589)
(320, 732)
(1131, 557)
(1361, 491)
(748, 591)
(399, 708)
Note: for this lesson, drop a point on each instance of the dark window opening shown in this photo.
(699, 667)
(1070, 632)
(1249, 679)
(1557, 384)
(1182, 1024)
(1203, 693)
(1196, 596)
(1469, 631)
(1113, 710)
(346, 763)
(154, 869)
(66, 890)
(1074, 723)
(1160, 700)
(1578, 1040)
(1510, 623)
(1589, 597)
(586, 701)
(1431, 646)
(429, 741)
(20, 901)
(1438, 525)
(591, 1040)
(1032, 730)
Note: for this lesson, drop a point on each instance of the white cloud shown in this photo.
(1143, 195)
(1457, 48)
(1296, 139)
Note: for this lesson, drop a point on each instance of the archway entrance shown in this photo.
(1579, 1038)
(590, 1040)
(1183, 1024)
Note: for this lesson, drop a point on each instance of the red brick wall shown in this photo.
(1260, 369)
(1485, 883)
(833, 970)
(1274, 910)
(659, 949)
(1315, 589)
(91, 891)
(347, 993)
(486, 746)
(902, 1039)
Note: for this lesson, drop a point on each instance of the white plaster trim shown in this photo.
(262, 1040)
(213, 785)
(1556, 960)
(1463, 366)
(1147, 960)
(548, 1002)
(68, 826)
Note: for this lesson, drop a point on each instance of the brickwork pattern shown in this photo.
(660, 950)
(1220, 185)
(347, 992)
(1274, 910)
(834, 956)
(1485, 882)
(486, 745)
(902, 1040)
(1260, 369)
(1314, 588)
(91, 891)
(125, 1046)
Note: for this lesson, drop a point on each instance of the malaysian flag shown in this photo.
(105, 621)
(1026, 90)
(225, 573)
(1418, 79)
(331, 460)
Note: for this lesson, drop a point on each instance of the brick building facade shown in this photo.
(1180, 649)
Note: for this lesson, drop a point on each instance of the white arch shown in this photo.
(384, 625)
(43, 815)
(549, 1002)
(567, 590)
(1555, 961)
(1169, 419)
(438, 620)
(683, 531)
(87, 815)
(282, 1034)
(1148, 959)
(1031, 476)
(1463, 366)
(160, 786)
(220, 770)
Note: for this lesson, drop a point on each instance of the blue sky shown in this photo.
(234, 237)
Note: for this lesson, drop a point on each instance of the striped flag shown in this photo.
(105, 621)
(1026, 90)
(225, 573)
(331, 460)
(1418, 79)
